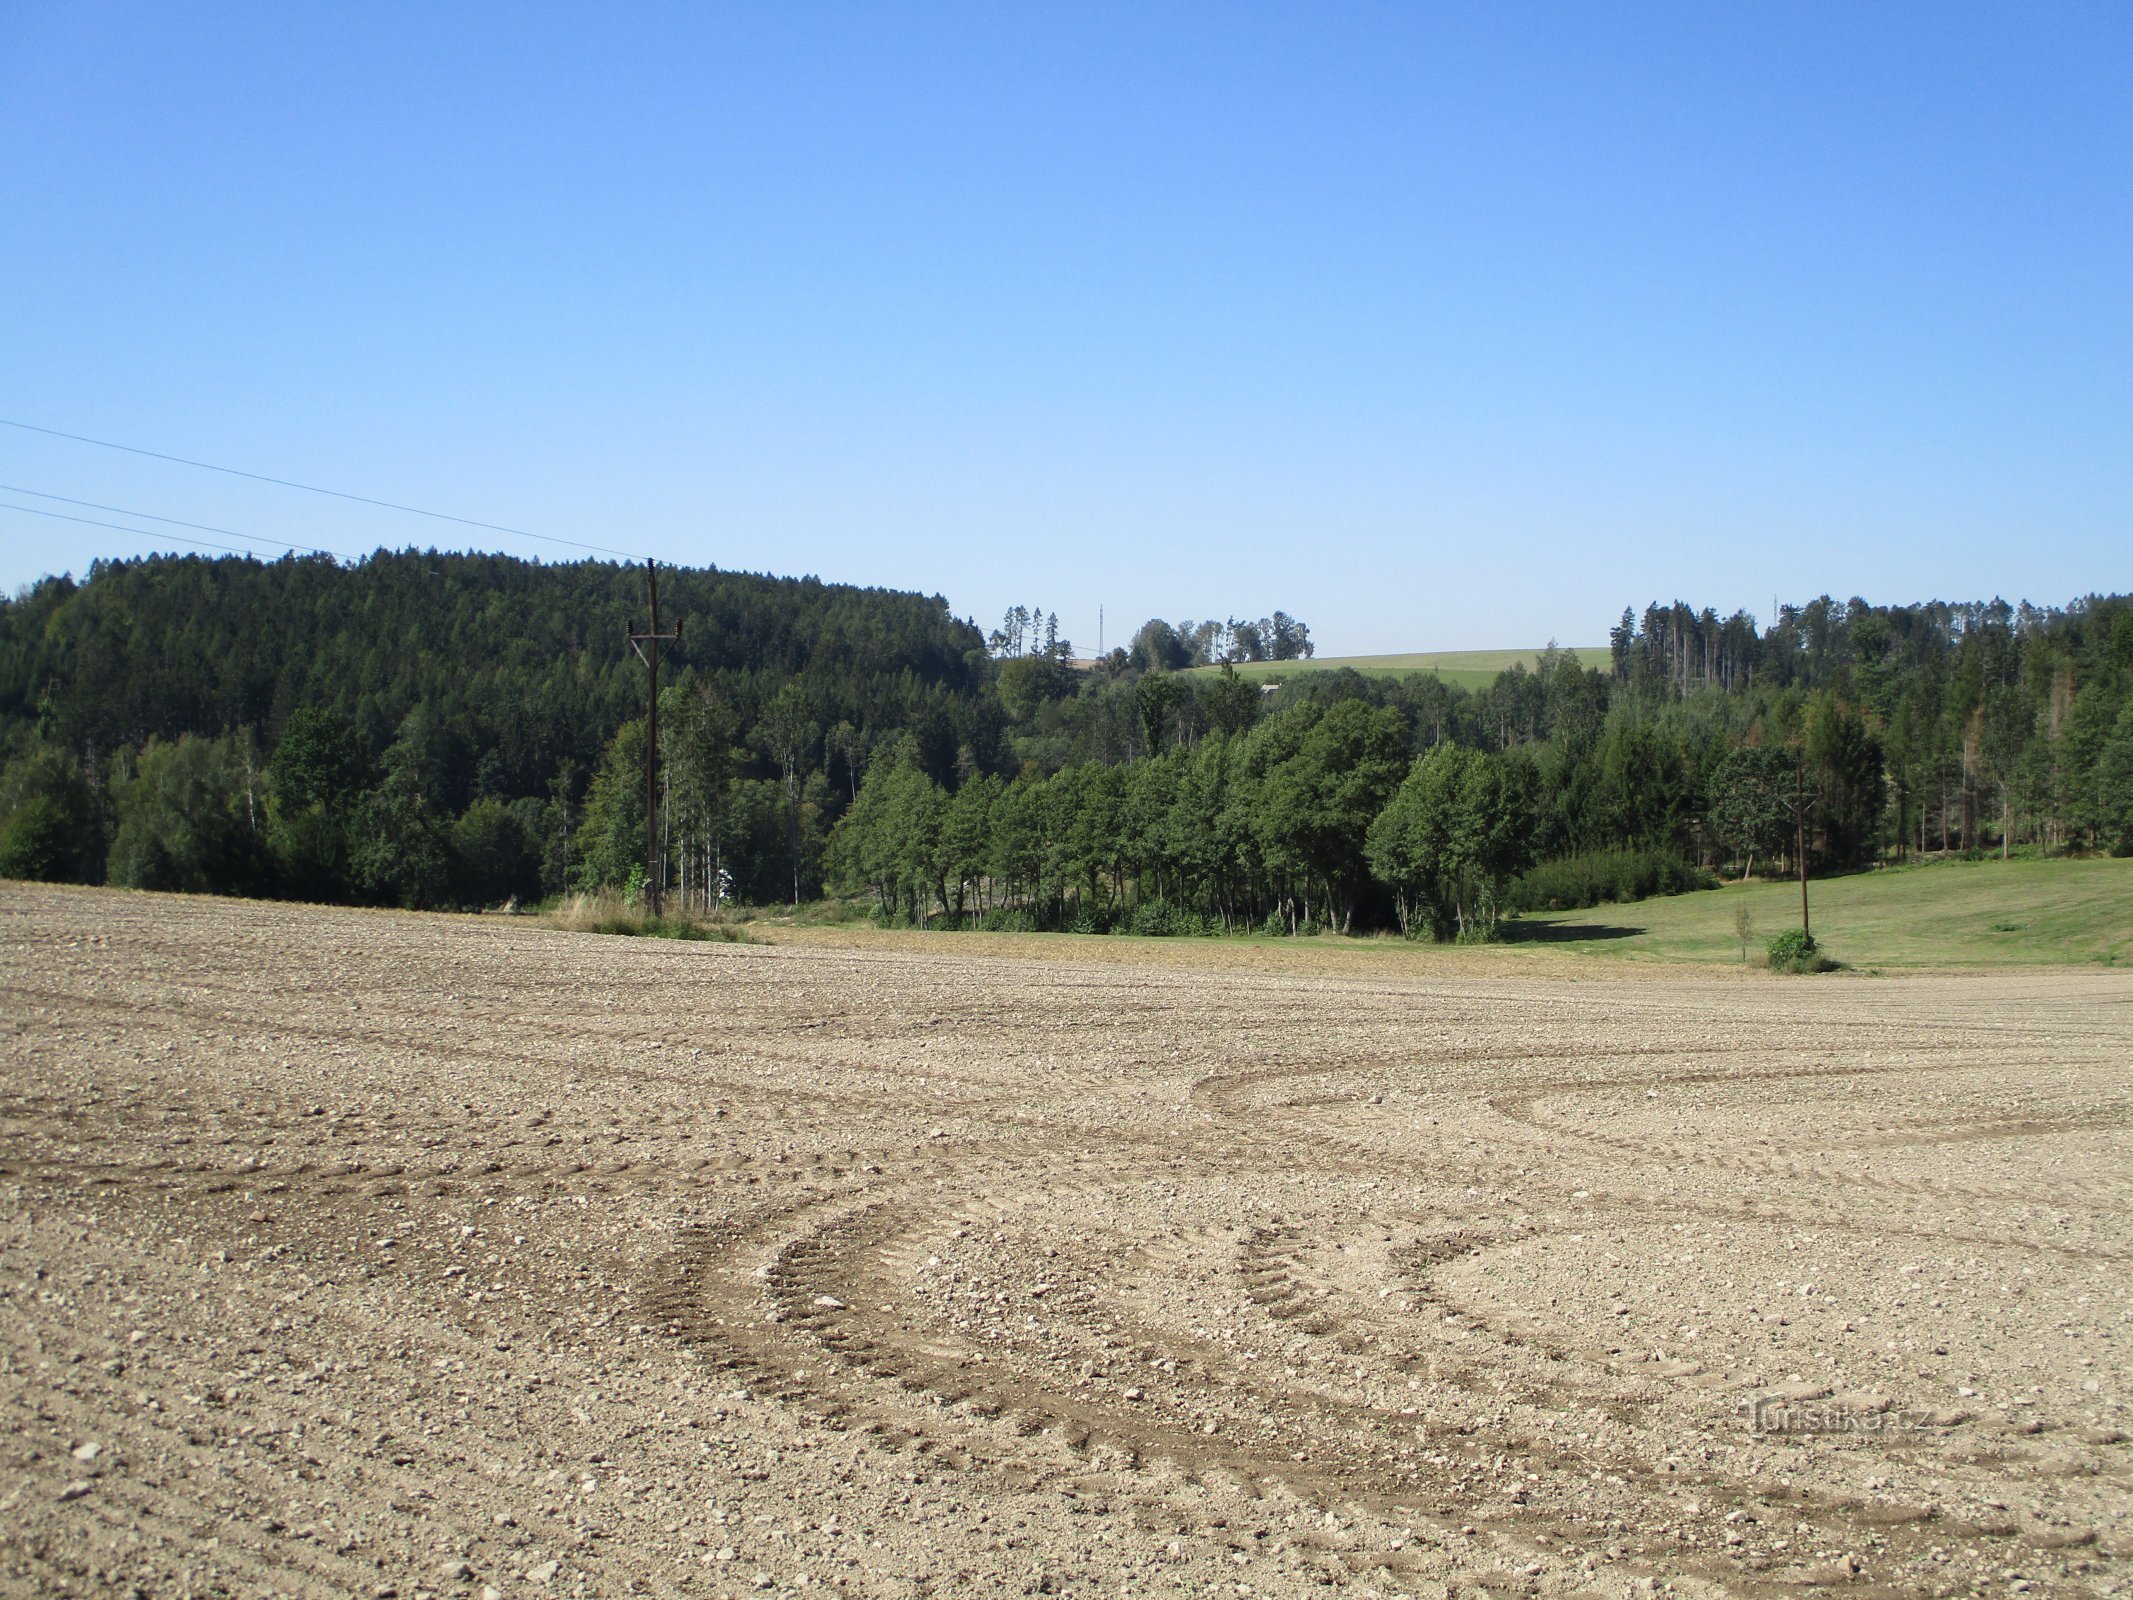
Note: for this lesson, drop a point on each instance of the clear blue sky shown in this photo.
(1436, 325)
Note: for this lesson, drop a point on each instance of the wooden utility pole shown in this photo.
(650, 645)
(1799, 806)
(1799, 816)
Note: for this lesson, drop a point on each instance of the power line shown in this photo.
(201, 544)
(150, 516)
(312, 488)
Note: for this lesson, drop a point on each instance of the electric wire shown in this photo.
(312, 488)
(150, 516)
(179, 538)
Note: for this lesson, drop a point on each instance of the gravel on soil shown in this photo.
(362, 1253)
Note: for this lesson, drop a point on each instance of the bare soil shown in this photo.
(350, 1253)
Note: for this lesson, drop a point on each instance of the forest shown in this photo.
(441, 730)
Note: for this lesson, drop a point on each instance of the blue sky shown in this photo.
(1438, 326)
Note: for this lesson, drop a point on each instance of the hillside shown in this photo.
(525, 662)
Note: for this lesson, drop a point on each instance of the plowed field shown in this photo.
(362, 1253)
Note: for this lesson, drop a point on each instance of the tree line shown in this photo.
(1178, 801)
(1309, 818)
(433, 730)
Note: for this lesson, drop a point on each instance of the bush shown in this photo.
(50, 819)
(1087, 918)
(495, 857)
(37, 841)
(1158, 919)
(1795, 950)
(1602, 877)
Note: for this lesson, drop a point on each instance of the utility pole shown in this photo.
(1799, 817)
(650, 645)
(1799, 806)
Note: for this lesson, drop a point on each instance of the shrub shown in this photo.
(1160, 919)
(50, 821)
(1795, 950)
(37, 841)
(495, 857)
(1605, 876)
(1087, 918)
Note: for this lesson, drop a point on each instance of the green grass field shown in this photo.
(1469, 669)
(1943, 914)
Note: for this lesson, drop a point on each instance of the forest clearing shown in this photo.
(1472, 670)
(363, 1252)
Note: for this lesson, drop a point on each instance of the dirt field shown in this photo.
(361, 1254)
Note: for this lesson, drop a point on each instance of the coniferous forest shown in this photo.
(439, 730)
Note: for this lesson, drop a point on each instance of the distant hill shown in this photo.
(1469, 669)
(522, 661)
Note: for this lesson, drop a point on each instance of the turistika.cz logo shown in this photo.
(1779, 1414)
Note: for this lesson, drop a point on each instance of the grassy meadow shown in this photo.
(1469, 669)
(1936, 916)
(1988, 913)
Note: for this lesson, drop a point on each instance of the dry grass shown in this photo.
(605, 911)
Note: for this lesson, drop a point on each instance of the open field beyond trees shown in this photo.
(349, 1252)
(1986, 913)
(1472, 670)
(1938, 915)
